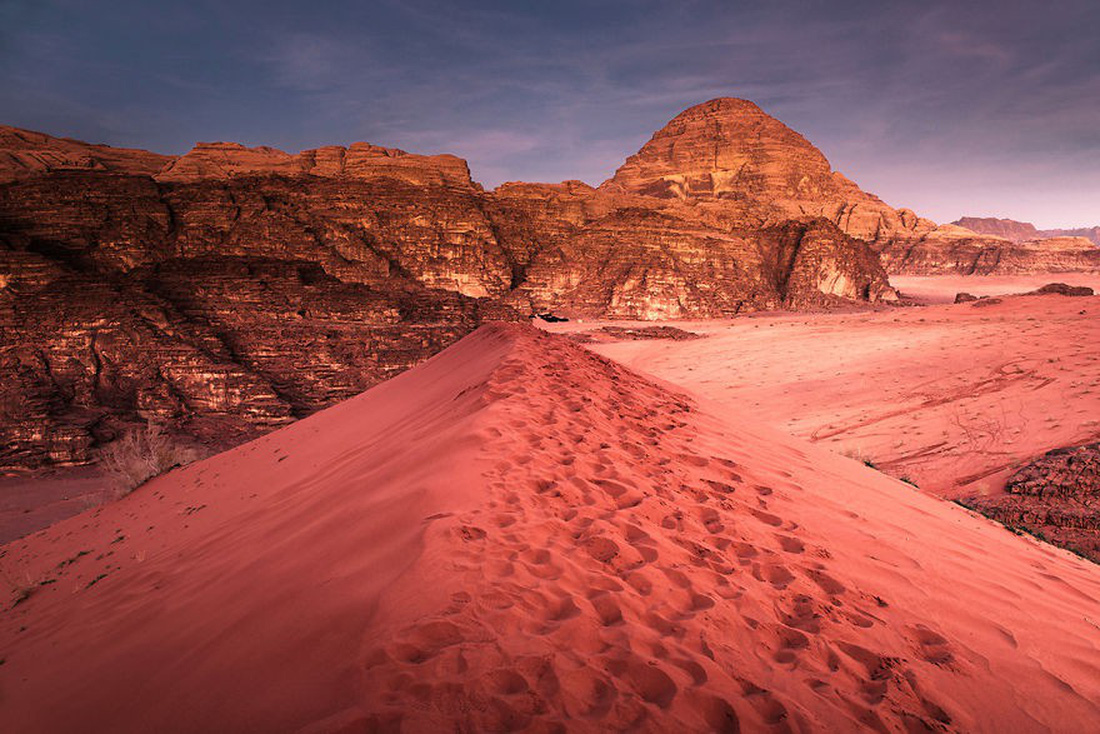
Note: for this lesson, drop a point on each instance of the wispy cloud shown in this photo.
(943, 106)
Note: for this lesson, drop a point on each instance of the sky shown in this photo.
(949, 108)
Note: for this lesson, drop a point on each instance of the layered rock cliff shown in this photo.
(359, 160)
(162, 316)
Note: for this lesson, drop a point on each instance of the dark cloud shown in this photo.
(947, 107)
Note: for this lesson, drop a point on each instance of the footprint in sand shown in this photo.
(932, 646)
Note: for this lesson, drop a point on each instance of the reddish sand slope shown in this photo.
(952, 397)
(521, 534)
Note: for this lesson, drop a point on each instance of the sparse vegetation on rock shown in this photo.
(141, 454)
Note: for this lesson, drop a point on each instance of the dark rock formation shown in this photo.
(965, 298)
(1069, 472)
(671, 333)
(1056, 497)
(1061, 289)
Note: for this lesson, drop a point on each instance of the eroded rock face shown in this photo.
(825, 266)
(1056, 496)
(988, 246)
(579, 252)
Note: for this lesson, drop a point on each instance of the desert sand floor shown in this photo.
(951, 397)
(520, 534)
(32, 502)
(931, 289)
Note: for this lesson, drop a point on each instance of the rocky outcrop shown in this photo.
(1056, 497)
(218, 348)
(1070, 473)
(1022, 231)
(817, 264)
(1061, 289)
(222, 308)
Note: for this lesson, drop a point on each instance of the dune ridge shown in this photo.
(522, 534)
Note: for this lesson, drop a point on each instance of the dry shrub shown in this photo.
(140, 455)
(859, 456)
(21, 589)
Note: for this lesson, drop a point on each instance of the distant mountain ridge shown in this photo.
(1017, 231)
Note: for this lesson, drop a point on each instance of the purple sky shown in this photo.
(950, 108)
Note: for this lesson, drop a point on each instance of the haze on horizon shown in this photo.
(987, 109)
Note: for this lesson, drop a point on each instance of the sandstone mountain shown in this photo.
(1022, 231)
(233, 289)
(729, 161)
(731, 151)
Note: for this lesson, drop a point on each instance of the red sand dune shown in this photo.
(521, 534)
(953, 397)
